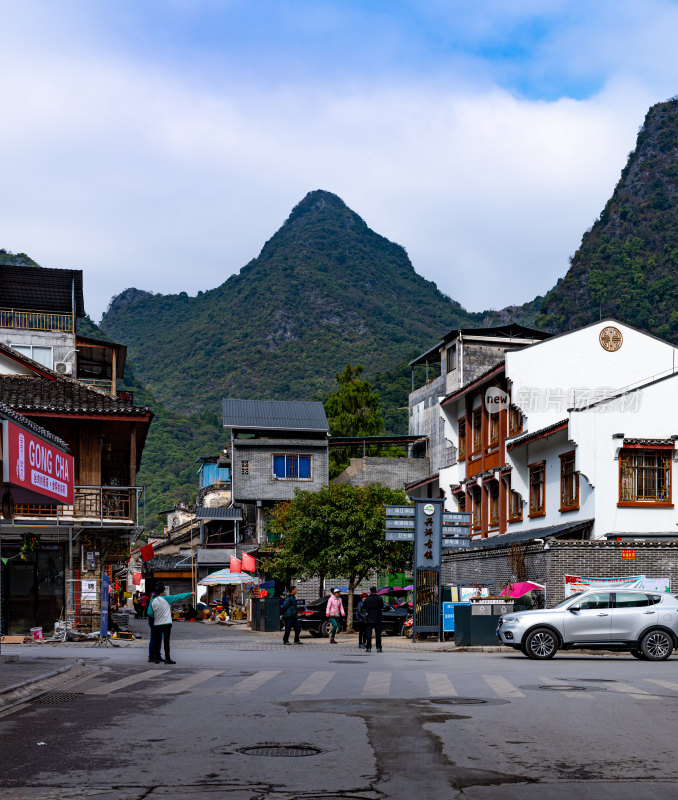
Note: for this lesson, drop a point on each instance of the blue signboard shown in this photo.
(448, 616)
(103, 630)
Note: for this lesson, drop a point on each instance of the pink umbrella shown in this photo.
(519, 589)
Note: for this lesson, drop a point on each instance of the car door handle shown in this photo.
(603, 615)
(650, 612)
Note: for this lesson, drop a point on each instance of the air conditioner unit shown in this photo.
(64, 367)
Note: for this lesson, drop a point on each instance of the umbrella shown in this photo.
(409, 588)
(224, 577)
(519, 589)
(393, 591)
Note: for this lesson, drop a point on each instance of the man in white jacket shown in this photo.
(161, 612)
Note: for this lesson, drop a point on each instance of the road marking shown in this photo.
(633, 691)
(315, 683)
(439, 685)
(566, 692)
(377, 683)
(664, 684)
(253, 682)
(124, 682)
(501, 687)
(173, 687)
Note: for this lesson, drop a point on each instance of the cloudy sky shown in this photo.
(160, 143)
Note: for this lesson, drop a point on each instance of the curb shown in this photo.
(30, 681)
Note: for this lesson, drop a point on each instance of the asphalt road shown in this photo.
(241, 717)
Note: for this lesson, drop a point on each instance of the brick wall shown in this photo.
(492, 567)
(391, 472)
(259, 483)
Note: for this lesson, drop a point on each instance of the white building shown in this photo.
(582, 441)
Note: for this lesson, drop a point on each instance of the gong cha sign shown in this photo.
(36, 465)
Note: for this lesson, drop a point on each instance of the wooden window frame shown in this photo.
(518, 517)
(568, 458)
(477, 510)
(494, 431)
(461, 502)
(532, 468)
(477, 414)
(666, 453)
(461, 429)
(515, 427)
(493, 520)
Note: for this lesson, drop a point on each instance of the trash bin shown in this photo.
(476, 624)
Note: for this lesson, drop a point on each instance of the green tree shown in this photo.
(352, 410)
(337, 531)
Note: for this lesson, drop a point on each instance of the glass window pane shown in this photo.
(630, 600)
(279, 466)
(304, 466)
(43, 355)
(601, 600)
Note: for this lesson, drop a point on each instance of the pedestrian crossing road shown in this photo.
(300, 684)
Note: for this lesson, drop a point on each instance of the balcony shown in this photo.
(35, 320)
(107, 506)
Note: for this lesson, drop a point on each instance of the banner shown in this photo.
(236, 564)
(249, 563)
(136, 578)
(578, 583)
(147, 552)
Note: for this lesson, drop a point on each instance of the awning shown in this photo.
(224, 577)
(219, 512)
(566, 530)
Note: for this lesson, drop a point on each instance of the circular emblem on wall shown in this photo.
(429, 509)
(611, 339)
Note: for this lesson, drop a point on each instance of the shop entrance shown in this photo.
(33, 591)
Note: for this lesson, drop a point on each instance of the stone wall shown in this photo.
(391, 472)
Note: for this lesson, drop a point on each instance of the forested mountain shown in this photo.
(324, 291)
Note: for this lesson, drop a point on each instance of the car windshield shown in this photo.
(568, 599)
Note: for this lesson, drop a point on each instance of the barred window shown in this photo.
(462, 439)
(515, 421)
(515, 507)
(537, 489)
(245, 467)
(477, 430)
(494, 428)
(477, 510)
(493, 496)
(645, 477)
(569, 483)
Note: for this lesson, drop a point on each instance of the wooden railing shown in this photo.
(35, 320)
(106, 504)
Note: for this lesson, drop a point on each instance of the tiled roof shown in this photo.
(539, 434)
(41, 289)
(24, 393)
(218, 512)
(9, 413)
(289, 415)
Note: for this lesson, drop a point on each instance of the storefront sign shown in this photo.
(34, 464)
(628, 555)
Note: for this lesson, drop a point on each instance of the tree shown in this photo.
(352, 410)
(337, 531)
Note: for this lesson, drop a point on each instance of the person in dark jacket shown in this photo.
(373, 607)
(290, 616)
(361, 621)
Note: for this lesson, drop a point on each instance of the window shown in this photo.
(515, 421)
(451, 358)
(645, 477)
(494, 429)
(461, 502)
(493, 495)
(537, 490)
(630, 600)
(477, 430)
(462, 438)
(477, 510)
(245, 467)
(595, 601)
(292, 467)
(43, 355)
(515, 507)
(569, 483)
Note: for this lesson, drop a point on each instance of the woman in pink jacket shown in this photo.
(335, 609)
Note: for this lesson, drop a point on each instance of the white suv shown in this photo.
(644, 623)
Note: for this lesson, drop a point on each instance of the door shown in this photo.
(632, 613)
(588, 619)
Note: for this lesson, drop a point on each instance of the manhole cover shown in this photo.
(552, 687)
(281, 750)
(55, 698)
(459, 701)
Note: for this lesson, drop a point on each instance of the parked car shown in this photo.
(312, 616)
(644, 623)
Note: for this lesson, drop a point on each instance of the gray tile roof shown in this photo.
(41, 289)
(218, 512)
(530, 534)
(289, 415)
(9, 413)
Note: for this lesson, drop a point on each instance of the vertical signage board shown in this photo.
(428, 517)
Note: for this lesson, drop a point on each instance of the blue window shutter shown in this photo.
(304, 466)
(279, 466)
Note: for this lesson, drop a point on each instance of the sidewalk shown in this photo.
(19, 671)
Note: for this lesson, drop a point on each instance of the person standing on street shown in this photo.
(361, 621)
(290, 614)
(373, 607)
(335, 610)
(160, 610)
(225, 602)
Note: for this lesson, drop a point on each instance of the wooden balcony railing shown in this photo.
(105, 504)
(35, 320)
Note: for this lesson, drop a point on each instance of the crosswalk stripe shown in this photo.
(560, 684)
(252, 682)
(124, 682)
(664, 684)
(501, 687)
(173, 687)
(439, 685)
(377, 683)
(315, 683)
(633, 691)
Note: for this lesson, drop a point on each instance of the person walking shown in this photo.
(151, 626)
(290, 614)
(160, 610)
(361, 621)
(143, 604)
(373, 607)
(335, 610)
(225, 602)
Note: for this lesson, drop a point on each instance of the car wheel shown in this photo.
(656, 645)
(637, 653)
(541, 644)
(325, 628)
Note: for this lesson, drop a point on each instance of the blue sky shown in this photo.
(159, 144)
